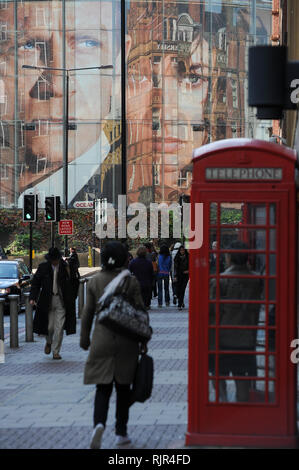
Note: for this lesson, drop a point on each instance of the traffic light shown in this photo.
(30, 208)
(52, 209)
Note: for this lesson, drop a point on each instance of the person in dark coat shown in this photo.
(52, 293)
(112, 357)
(181, 269)
(142, 268)
(74, 264)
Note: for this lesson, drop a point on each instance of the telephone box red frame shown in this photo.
(244, 424)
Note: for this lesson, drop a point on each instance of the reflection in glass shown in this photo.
(212, 391)
(272, 336)
(272, 237)
(271, 391)
(272, 214)
(213, 213)
(271, 366)
(242, 390)
(272, 289)
(272, 265)
(231, 213)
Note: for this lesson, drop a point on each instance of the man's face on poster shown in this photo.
(89, 43)
(174, 125)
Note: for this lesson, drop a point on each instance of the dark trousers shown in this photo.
(146, 292)
(174, 287)
(154, 286)
(164, 279)
(101, 406)
(181, 287)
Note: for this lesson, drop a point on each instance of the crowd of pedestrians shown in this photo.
(113, 356)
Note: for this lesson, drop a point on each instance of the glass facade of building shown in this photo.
(186, 86)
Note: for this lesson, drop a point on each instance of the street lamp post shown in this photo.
(66, 124)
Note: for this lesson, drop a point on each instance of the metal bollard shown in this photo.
(14, 333)
(2, 319)
(28, 319)
(81, 297)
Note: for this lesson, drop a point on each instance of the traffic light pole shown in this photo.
(52, 234)
(66, 150)
(30, 246)
(94, 234)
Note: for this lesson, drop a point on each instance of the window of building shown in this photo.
(40, 17)
(221, 37)
(3, 31)
(4, 135)
(156, 174)
(221, 89)
(3, 4)
(234, 86)
(156, 121)
(3, 172)
(184, 178)
(41, 164)
(42, 89)
(3, 201)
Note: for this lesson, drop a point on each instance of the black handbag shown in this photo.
(143, 380)
(118, 314)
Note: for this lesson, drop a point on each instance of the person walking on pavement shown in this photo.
(164, 267)
(52, 293)
(152, 256)
(112, 357)
(142, 268)
(181, 269)
(172, 273)
(74, 264)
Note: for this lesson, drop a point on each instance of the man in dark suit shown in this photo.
(53, 295)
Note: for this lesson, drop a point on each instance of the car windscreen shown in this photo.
(8, 271)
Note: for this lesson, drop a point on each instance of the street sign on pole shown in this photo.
(66, 227)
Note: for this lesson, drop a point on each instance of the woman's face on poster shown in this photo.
(88, 43)
(167, 96)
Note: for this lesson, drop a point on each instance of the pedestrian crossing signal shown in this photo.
(30, 208)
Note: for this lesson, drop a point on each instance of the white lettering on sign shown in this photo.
(83, 204)
(246, 174)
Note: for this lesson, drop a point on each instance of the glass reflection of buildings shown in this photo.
(161, 29)
(157, 30)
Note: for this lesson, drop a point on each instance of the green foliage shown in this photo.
(22, 241)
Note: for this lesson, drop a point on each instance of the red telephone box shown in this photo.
(242, 384)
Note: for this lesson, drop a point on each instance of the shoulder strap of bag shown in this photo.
(113, 285)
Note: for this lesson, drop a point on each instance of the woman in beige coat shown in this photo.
(112, 358)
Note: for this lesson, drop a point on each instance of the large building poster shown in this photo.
(186, 85)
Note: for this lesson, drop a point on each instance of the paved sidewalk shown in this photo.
(44, 404)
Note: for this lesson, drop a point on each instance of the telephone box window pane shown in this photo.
(212, 391)
(261, 365)
(271, 391)
(212, 364)
(272, 289)
(256, 214)
(246, 390)
(272, 315)
(255, 239)
(212, 339)
(232, 288)
(272, 265)
(272, 366)
(215, 262)
(272, 214)
(232, 213)
(272, 236)
(241, 339)
(213, 238)
(213, 213)
(257, 263)
(272, 338)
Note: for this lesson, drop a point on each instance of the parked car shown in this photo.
(15, 278)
